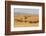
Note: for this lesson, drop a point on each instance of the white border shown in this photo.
(26, 28)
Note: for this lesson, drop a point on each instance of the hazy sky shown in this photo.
(26, 11)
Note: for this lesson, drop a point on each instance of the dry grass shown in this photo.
(25, 21)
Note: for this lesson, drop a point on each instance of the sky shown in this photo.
(26, 11)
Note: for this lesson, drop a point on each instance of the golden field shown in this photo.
(26, 20)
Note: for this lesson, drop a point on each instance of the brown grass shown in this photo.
(25, 20)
